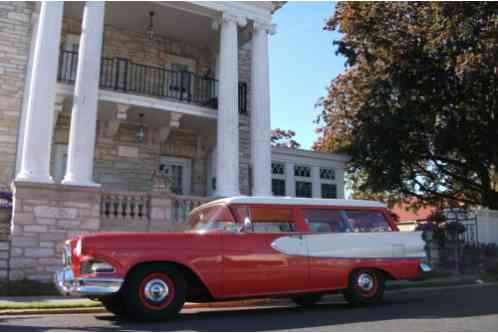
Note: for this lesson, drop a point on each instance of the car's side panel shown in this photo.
(199, 252)
(252, 267)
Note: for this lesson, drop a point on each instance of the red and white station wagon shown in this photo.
(246, 247)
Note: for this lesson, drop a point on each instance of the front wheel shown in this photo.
(114, 304)
(366, 286)
(154, 292)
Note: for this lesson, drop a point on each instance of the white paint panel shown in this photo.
(356, 245)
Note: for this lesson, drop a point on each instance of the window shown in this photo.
(327, 173)
(303, 189)
(268, 220)
(329, 191)
(277, 168)
(212, 218)
(325, 220)
(278, 178)
(336, 221)
(367, 221)
(278, 187)
(302, 171)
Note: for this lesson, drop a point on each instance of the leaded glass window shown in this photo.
(327, 173)
(302, 171)
(277, 168)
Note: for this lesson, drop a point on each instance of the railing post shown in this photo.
(181, 85)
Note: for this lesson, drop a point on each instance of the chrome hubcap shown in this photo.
(156, 290)
(365, 282)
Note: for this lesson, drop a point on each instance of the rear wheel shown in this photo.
(307, 300)
(154, 292)
(366, 286)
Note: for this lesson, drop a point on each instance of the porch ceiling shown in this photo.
(176, 20)
(205, 127)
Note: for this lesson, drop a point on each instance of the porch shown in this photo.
(123, 75)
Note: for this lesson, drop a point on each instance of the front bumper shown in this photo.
(67, 284)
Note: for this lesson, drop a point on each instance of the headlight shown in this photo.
(91, 266)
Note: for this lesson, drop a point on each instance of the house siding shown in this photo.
(15, 40)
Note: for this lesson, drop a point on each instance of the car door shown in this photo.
(251, 266)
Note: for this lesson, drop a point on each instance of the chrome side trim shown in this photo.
(68, 285)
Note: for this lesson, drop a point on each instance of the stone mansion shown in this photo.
(124, 116)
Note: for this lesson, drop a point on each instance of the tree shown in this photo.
(283, 138)
(417, 105)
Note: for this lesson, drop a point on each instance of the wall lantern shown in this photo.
(150, 28)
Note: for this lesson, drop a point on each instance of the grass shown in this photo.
(63, 304)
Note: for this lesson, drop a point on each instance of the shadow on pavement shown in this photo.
(448, 303)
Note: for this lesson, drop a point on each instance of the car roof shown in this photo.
(296, 201)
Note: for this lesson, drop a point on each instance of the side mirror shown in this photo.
(247, 225)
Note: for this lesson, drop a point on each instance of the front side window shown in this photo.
(336, 221)
(217, 218)
(268, 219)
(329, 191)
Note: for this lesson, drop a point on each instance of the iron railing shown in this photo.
(121, 74)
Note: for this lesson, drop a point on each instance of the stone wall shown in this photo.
(123, 164)
(45, 216)
(15, 39)
(138, 48)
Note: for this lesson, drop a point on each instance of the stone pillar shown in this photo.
(316, 189)
(227, 162)
(82, 134)
(260, 111)
(35, 161)
(290, 183)
(160, 212)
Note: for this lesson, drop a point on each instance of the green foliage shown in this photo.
(417, 105)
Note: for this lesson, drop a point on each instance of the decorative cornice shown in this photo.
(269, 28)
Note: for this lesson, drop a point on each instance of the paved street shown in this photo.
(448, 309)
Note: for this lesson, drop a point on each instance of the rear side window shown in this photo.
(325, 220)
(337, 221)
(268, 219)
(367, 221)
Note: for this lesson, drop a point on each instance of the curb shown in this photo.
(227, 304)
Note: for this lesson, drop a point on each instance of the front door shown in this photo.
(251, 266)
(177, 171)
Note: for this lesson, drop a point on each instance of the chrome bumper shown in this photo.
(68, 285)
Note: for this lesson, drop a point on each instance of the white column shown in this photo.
(37, 142)
(316, 190)
(84, 114)
(227, 161)
(260, 111)
(290, 183)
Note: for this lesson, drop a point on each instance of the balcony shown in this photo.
(122, 75)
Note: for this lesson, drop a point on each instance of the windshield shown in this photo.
(212, 218)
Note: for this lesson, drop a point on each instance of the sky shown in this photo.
(302, 64)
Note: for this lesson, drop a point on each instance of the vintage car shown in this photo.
(246, 247)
